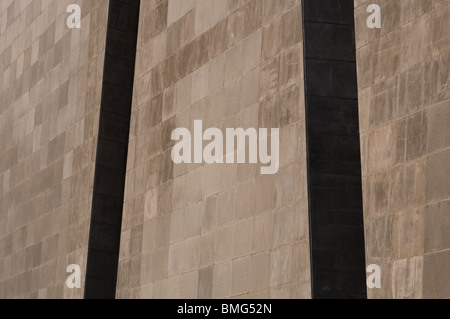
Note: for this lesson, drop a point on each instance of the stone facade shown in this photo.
(404, 103)
(217, 230)
(50, 87)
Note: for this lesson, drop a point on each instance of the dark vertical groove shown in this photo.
(112, 149)
(333, 150)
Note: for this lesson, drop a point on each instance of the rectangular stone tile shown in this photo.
(435, 279)
(438, 179)
(437, 221)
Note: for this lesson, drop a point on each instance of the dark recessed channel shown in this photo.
(334, 166)
(112, 149)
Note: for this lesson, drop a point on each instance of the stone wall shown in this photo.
(404, 97)
(50, 88)
(219, 230)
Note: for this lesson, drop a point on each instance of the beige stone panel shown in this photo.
(252, 16)
(386, 58)
(288, 145)
(281, 266)
(190, 285)
(240, 275)
(191, 254)
(151, 204)
(175, 287)
(234, 58)
(300, 262)
(178, 8)
(208, 13)
(301, 291)
(291, 68)
(441, 38)
(221, 287)
(226, 210)
(438, 131)
(183, 93)
(416, 41)
(269, 77)
(408, 234)
(211, 179)
(416, 136)
(252, 51)
(146, 292)
(206, 250)
(438, 181)
(193, 220)
(209, 214)
(411, 90)
(283, 226)
(244, 203)
(286, 184)
(383, 102)
(300, 185)
(271, 38)
(200, 84)
(407, 278)
(223, 243)
(194, 188)
(242, 242)
(146, 270)
(437, 219)
(381, 150)
(175, 259)
(216, 73)
(259, 277)
(177, 226)
(263, 232)
(160, 289)
(162, 230)
(250, 90)
(205, 282)
(378, 234)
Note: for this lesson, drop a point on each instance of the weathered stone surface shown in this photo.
(230, 64)
(403, 81)
(50, 94)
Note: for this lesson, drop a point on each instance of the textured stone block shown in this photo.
(438, 179)
(259, 271)
(441, 39)
(438, 132)
(408, 234)
(381, 150)
(223, 243)
(205, 282)
(226, 208)
(208, 214)
(281, 266)
(435, 280)
(221, 286)
(242, 236)
(240, 275)
(437, 221)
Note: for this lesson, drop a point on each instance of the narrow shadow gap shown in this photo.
(333, 150)
(112, 149)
